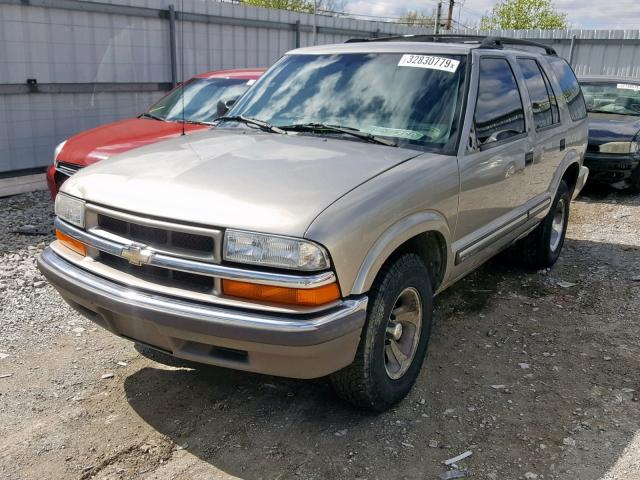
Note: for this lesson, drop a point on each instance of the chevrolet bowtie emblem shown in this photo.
(137, 254)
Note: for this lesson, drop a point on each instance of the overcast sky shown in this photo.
(618, 14)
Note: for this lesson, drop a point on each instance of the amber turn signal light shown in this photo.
(290, 296)
(70, 242)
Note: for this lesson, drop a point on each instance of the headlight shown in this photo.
(70, 209)
(274, 251)
(621, 148)
(57, 151)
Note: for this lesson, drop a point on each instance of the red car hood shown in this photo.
(111, 139)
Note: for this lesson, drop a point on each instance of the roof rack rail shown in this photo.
(482, 40)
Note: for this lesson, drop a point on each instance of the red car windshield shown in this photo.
(201, 97)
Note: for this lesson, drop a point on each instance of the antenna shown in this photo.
(182, 60)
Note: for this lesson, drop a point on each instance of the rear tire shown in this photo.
(542, 247)
(394, 339)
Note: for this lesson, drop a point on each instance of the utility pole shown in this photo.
(436, 27)
(315, 21)
(450, 17)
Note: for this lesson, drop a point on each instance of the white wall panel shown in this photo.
(58, 45)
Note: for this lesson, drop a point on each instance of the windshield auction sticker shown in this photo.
(629, 86)
(430, 62)
(393, 132)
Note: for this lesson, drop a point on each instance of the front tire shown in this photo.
(542, 247)
(394, 339)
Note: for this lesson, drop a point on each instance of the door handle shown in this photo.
(563, 144)
(528, 158)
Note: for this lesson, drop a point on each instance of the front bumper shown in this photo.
(298, 346)
(52, 182)
(610, 168)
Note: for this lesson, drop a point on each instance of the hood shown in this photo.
(236, 178)
(612, 127)
(111, 139)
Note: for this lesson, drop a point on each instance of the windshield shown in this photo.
(412, 99)
(201, 98)
(612, 97)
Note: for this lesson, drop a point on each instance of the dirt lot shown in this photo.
(538, 374)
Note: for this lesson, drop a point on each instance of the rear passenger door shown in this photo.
(493, 170)
(546, 129)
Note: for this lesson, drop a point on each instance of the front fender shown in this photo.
(396, 235)
(361, 229)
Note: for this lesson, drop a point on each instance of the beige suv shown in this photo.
(309, 232)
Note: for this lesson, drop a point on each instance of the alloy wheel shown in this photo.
(402, 333)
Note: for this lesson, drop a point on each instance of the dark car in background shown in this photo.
(613, 154)
(206, 97)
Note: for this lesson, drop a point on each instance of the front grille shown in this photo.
(161, 276)
(173, 241)
(67, 169)
(176, 240)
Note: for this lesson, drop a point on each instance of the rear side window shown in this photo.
(545, 112)
(570, 89)
(499, 113)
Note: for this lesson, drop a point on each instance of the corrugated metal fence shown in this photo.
(97, 61)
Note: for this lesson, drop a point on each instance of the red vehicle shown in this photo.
(205, 98)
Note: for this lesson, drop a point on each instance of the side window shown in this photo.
(570, 89)
(541, 103)
(499, 113)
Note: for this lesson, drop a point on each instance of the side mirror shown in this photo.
(224, 106)
(472, 146)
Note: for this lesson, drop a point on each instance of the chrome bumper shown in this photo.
(301, 346)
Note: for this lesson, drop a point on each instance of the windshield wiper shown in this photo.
(320, 127)
(196, 122)
(151, 115)
(632, 114)
(267, 127)
(177, 120)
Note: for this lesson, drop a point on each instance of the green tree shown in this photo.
(417, 19)
(523, 15)
(293, 5)
(299, 5)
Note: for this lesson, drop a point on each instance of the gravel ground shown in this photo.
(536, 373)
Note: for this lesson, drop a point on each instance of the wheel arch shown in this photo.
(570, 168)
(425, 233)
(570, 175)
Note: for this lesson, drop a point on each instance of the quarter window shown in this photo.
(541, 102)
(499, 112)
(570, 89)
